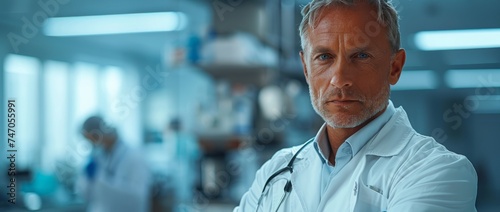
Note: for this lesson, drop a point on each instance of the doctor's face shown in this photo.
(349, 65)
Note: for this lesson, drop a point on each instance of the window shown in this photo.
(22, 85)
(112, 83)
(53, 100)
(56, 111)
(85, 98)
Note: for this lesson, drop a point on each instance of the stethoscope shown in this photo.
(288, 185)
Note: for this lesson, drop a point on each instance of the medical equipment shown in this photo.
(288, 185)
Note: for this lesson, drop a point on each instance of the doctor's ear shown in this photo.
(397, 64)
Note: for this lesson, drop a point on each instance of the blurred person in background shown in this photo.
(116, 177)
(187, 156)
(367, 156)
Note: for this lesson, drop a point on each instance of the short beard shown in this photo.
(373, 106)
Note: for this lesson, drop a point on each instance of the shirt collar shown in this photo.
(358, 139)
(321, 144)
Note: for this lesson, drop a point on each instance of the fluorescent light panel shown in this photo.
(473, 78)
(486, 104)
(417, 80)
(115, 24)
(458, 39)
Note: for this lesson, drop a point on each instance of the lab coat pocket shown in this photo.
(273, 196)
(369, 198)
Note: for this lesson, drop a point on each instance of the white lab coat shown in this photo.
(398, 170)
(127, 189)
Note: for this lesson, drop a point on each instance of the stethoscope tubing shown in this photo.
(288, 186)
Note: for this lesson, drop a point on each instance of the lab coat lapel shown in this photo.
(393, 137)
(306, 180)
(391, 140)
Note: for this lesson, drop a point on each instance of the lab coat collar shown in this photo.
(393, 137)
(304, 153)
(358, 139)
(387, 142)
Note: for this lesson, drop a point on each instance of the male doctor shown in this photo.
(366, 157)
(116, 177)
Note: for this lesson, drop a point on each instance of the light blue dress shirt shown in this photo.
(349, 148)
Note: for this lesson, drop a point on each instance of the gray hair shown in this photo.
(386, 16)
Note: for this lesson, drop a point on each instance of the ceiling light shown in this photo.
(417, 80)
(115, 24)
(478, 78)
(486, 104)
(458, 39)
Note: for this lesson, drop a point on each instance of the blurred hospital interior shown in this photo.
(208, 90)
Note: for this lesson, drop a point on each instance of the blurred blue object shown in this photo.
(194, 44)
(42, 183)
(32, 201)
(91, 169)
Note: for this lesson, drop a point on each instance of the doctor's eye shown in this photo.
(362, 55)
(323, 57)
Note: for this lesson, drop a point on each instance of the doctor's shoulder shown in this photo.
(433, 177)
(425, 152)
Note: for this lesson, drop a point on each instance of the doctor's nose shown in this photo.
(340, 75)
